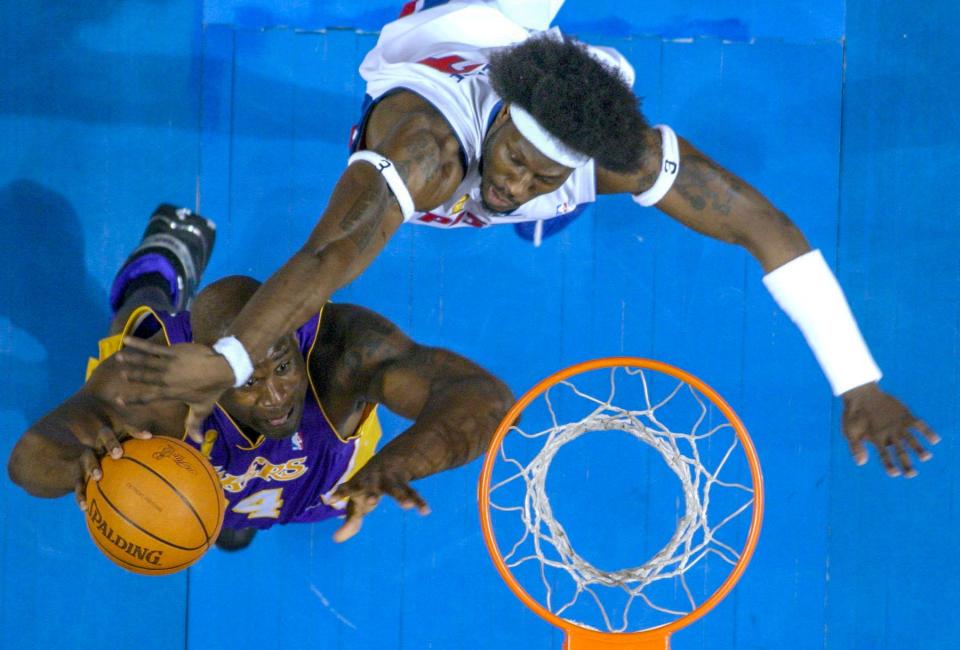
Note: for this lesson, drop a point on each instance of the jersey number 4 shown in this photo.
(265, 503)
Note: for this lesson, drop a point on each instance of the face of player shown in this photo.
(514, 171)
(271, 402)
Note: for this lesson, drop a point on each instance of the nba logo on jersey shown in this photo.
(564, 208)
(296, 442)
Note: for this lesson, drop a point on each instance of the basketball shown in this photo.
(157, 509)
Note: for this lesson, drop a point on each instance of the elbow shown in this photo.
(14, 472)
(25, 461)
(504, 400)
(774, 240)
(500, 399)
(18, 464)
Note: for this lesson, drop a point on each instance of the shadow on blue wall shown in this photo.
(52, 298)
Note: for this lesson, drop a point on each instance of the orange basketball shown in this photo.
(157, 508)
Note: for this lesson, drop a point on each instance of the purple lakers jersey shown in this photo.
(274, 481)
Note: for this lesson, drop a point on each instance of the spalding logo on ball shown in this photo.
(157, 509)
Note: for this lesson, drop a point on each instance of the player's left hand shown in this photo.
(366, 488)
(186, 372)
(872, 415)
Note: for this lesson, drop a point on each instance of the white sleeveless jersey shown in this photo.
(441, 54)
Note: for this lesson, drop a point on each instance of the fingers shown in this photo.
(108, 443)
(80, 493)
(859, 451)
(139, 359)
(904, 460)
(136, 394)
(923, 454)
(887, 461)
(142, 374)
(90, 469)
(349, 528)
(90, 466)
(364, 493)
(927, 432)
(408, 498)
(146, 346)
(196, 414)
(357, 508)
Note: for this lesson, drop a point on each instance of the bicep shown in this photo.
(714, 202)
(701, 191)
(377, 362)
(416, 138)
(432, 380)
(717, 203)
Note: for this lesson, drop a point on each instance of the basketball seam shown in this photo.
(143, 530)
(221, 500)
(218, 486)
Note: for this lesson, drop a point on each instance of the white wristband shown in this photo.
(389, 171)
(231, 349)
(669, 168)
(807, 290)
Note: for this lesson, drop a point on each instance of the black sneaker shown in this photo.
(177, 245)
(235, 539)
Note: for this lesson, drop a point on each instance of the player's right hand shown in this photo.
(98, 429)
(186, 372)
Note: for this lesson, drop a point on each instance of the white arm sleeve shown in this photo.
(807, 290)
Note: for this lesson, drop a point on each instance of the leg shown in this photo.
(164, 271)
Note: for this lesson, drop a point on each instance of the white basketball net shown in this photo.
(695, 537)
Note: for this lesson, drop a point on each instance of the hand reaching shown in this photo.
(186, 372)
(872, 415)
(366, 488)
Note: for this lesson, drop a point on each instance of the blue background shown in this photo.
(843, 113)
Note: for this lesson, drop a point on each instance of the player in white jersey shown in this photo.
(473, 120)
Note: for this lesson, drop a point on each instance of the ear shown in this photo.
(503, 115)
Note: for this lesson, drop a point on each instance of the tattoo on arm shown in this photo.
(700, 182)
(364, 215)
(418, 166)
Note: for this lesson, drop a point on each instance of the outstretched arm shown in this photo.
(712, 201)
(361, 216)
(715, 202)
(60, 451)
(455, 406)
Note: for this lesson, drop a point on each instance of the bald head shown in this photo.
(215, 308)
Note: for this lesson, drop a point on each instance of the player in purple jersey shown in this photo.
(472, 121)
(295, 443)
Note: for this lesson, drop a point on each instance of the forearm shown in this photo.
(709, 197)
(454, 427)
(359, 220)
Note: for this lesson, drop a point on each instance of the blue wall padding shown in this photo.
(841, 113)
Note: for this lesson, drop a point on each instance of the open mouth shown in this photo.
(280, 421)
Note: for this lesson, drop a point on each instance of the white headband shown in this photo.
(545, 143)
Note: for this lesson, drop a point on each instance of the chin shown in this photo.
(278, 434)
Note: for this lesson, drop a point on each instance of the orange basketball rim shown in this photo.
(654, 638)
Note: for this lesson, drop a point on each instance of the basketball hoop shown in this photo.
(711, 455)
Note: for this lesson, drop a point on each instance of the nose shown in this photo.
(274, 394)
(518, 185)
